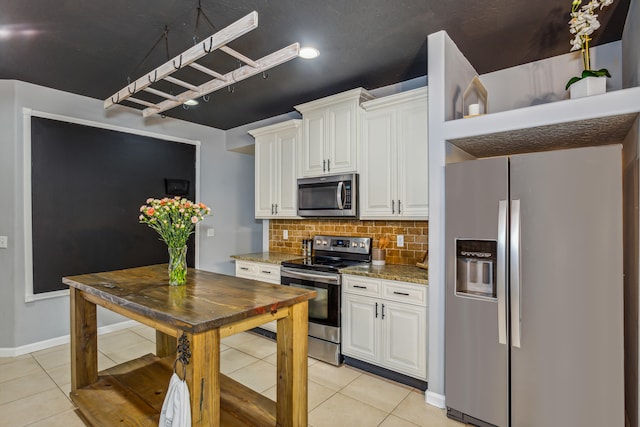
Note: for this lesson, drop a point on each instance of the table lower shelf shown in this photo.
(132, 394)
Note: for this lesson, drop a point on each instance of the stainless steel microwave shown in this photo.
(327, 196)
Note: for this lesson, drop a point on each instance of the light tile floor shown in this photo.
(34, 387)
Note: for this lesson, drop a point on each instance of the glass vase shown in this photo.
(178, 266)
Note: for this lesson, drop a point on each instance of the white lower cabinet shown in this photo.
(264, 272)
(385, 323)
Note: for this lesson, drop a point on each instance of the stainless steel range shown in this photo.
(320, 273)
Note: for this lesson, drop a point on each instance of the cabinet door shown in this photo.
(413, 175)
(265, 182)
(340, 141)
(404, 339)
(287, 175)
(312, 154)
(377, 178)
(360, 327)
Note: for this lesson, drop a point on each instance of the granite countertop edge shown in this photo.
(267, 257)
(402, 273)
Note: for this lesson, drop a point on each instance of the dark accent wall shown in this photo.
(87, 185)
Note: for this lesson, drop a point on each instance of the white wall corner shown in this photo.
(435, 399)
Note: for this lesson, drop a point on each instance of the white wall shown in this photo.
(226, 184)
(544, 81)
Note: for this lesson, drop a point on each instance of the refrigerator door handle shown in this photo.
(502, 271)
(515, 273)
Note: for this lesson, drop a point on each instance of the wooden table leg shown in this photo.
(292, 338)
(203, 378)
(84, 341)
(165, 345)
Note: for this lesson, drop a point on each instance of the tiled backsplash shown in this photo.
(416, 235)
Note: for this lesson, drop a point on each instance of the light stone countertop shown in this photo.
(403, 273)
(267, 257)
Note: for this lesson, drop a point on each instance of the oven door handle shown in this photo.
(296, 274)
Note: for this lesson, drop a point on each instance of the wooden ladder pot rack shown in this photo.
(189, 57)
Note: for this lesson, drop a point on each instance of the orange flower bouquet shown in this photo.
(174, 220)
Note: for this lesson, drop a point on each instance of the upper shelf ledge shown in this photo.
(594, 120)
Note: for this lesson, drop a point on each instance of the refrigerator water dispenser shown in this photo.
(475, 268)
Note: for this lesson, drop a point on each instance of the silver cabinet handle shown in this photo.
(502, 271)
(376, 310)
(401, 293)
(393, 207)
(382, 311)
(359, 287)
(328, 165)
(244, 268)
(271, 208)
(265, 272)
(398, 206)
(324, 164)
(276, 209)
(514, 261)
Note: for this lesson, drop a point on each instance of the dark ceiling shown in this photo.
(91, 47)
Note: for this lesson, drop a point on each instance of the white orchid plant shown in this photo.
(584, 21)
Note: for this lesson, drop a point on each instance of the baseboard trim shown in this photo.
(42, 345)
(435, 399)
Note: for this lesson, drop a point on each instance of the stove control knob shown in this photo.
(354, 244)
(362, 244)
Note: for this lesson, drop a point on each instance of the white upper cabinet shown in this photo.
(331, 134)
(276, 148)
(394, 178)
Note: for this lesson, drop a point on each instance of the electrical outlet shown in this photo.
(400, 240)
(211, 232)
(4, 242)
(285, 234)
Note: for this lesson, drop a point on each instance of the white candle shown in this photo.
(474, 109)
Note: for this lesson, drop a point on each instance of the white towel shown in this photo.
(176, 408)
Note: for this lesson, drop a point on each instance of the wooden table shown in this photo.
(210, 307)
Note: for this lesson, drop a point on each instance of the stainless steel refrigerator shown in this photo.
(534, 298)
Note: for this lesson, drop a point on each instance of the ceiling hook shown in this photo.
(179, 65)
(205, 98)
(134, 89)
(117, 99)
(204, 45)
(265, 75)
(155, 77)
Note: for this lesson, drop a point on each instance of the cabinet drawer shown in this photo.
(361, 286)
(404, 292)
(246, 269)
(268, 273)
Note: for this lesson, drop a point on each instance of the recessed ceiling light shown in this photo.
(309, 52)
(191, 102)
